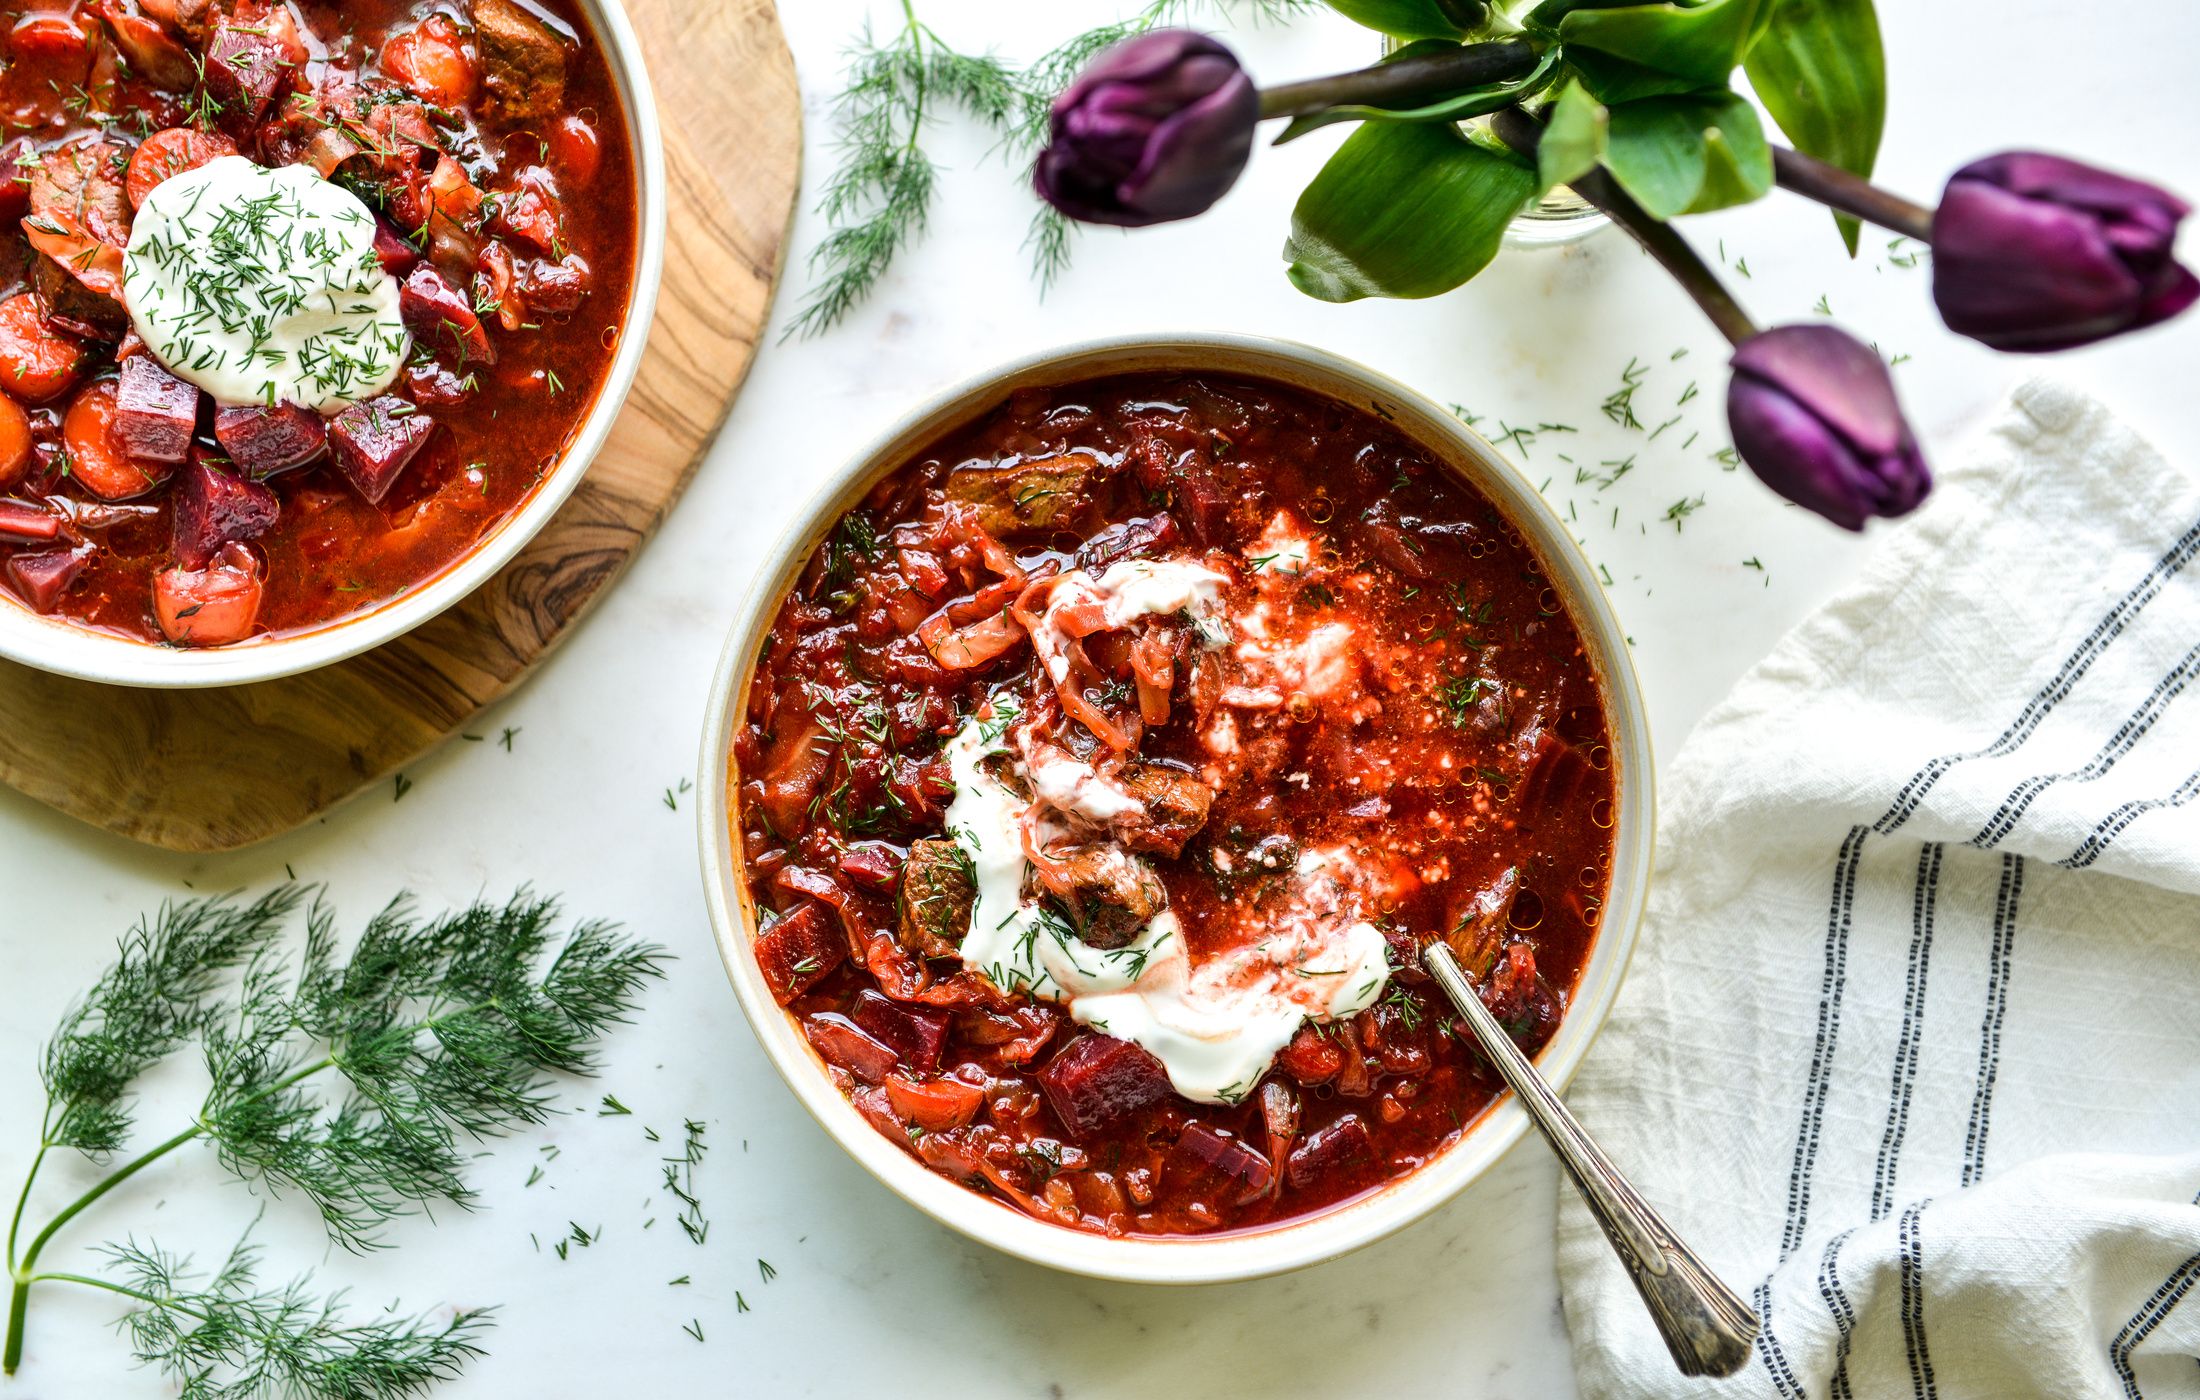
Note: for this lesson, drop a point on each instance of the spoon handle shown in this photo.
(1708, 1329)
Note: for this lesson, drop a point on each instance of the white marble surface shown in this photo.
(868, 1294)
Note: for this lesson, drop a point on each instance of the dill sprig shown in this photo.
(881, 193)
(444, 1031)
(880, 196)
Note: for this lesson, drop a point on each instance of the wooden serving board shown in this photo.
(212, 770)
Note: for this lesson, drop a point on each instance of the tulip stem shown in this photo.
(1407, 82)
(1851, 194)
(1661, 240)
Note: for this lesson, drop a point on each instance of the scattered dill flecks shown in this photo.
(681, 1281)
(1824, 306)
(740, 1304)
(679, 1181)
(694, 1328)
(674, 794)
(1459, 411)
(1681, 509)
(511, 732)
(610, 1107)
(401, 785)
(1619, 405)
(763, 1267)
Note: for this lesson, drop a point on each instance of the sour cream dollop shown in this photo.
(262, 286)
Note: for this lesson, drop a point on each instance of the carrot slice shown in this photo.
(96, 459)
(37, 363)
(167, 154)
(15, 442)
(207, 607)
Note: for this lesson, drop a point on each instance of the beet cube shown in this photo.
(441, 317)
(215, 507)
(797, 951)
(43, 577)
(1334, 1158)
(1227, 1155)
(844, 1043)
(264, 441)
(917, 1034)
(1096, 1079)
(395, 252)
(245, 67)
(155, 412)
(23, 523)
(375, 440)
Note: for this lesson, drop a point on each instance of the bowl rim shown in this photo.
(1242, 1254)
(66, 649)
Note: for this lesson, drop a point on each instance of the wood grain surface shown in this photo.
(211, 770)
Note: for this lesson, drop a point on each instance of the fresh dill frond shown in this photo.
(444, 1031)
(227, 1336)
(880, 195)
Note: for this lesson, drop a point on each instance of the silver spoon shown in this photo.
(1706, 1326)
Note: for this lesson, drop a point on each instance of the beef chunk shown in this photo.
(916, 1033)
(937, 890)
(81, 187)
(155, 412)
(798, 949)
(1112, 895)
(213, 508)
(1176, 806)
(74, 307)
(1097, 1079)
(522, 59)
(1025, 497)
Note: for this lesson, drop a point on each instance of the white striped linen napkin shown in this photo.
(1911, 1047)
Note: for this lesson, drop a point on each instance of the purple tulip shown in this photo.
(1813, 412)
(1158, 128)
(2034, 252)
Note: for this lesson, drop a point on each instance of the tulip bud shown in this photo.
(1813, 412)
(2034, 252)
(1157, 128)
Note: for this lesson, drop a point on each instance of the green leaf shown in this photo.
(1687, 155)
(1458, 107)
(1573, 139)
(1400, 19)
(1821, 72)
(1664, 49)
(1403, 210)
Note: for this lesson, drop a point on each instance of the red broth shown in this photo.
(504, 166)
(1457, 744)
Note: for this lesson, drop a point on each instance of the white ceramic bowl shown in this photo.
(53, 644)
(1245, 1254)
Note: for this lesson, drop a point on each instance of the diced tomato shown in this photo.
(57, 46)
(15, 442)
(936, 1105)
(576, 150)
(169, 153)
(96, 458)
(37, 363)
(209, 607)
(430, 60)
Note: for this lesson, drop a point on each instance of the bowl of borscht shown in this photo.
(311, 316)
(1093, 760)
